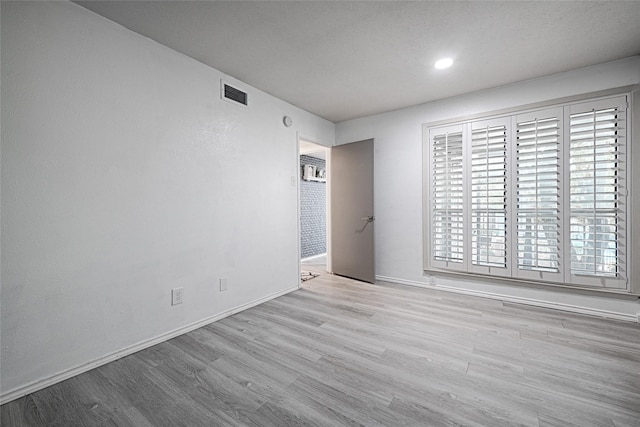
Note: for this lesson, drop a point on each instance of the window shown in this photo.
(447, 221)
(597, 187)
(489, 197)
(538, 195)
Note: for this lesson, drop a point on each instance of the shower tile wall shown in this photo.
(313, 211)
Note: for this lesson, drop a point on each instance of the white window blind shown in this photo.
(597, 186)
(447, 225)
(538, 194)
(489, 194)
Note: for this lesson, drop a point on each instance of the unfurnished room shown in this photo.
(320, 213)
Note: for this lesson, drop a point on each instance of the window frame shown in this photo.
(522, 117)
(491, 123)
(600, 281)
(564, 277)
(446, 265)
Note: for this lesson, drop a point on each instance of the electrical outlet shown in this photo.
(293, 181)
(223, 284)
(176, 296)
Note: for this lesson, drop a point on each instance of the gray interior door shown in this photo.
(352, 220)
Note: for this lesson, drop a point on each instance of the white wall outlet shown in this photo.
(176, 296)
(293, 181)
(223, 284)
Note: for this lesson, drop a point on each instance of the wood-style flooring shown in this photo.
(343, 353)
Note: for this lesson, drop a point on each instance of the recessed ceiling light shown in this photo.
(443, 63)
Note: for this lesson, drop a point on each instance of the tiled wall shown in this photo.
(313, 211)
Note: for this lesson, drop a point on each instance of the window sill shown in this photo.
(583, 289)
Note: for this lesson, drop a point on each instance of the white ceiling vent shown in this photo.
(233, 94)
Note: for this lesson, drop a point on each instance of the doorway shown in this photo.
(313, 198)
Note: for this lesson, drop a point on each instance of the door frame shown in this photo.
(313, 140)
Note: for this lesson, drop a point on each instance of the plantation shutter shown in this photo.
(538, 195)
(447, 216)
(597, 187)
(488, 213)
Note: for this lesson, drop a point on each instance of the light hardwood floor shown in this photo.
(340, 352)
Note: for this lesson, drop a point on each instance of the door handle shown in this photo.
(368, 218)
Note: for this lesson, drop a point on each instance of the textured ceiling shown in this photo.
(342, 60)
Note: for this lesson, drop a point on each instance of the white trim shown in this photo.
(518, 300)
(329, 263)
(72, 372)
(310, 258)
(298, 209)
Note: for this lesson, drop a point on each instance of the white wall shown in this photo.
(398, 180)
(123, 176)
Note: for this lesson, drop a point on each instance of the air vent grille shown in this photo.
(234, 94)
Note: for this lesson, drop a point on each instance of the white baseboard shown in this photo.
(519, 300)
(72, 372)
(311, 258)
